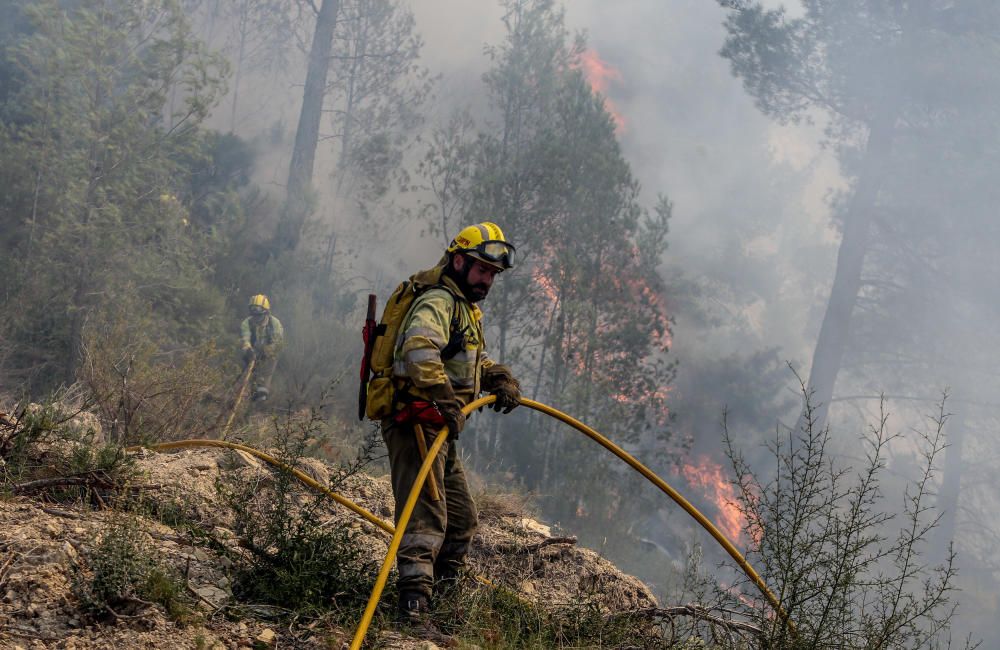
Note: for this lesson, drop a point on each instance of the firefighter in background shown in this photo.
(261, 336)
(439, 365)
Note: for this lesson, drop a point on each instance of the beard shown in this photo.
(475, 292)
(472, 292)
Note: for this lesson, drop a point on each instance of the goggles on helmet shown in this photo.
(494, 251)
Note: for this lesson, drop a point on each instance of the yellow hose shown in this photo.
(670, 492)
(305, 478)
(411, 501)
(404, 519)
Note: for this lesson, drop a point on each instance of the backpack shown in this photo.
(381, 386)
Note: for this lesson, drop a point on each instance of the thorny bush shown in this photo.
(58, 439)
(144, 393)
(849, 570)
(299, 556)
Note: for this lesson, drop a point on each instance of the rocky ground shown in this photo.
(44, 544)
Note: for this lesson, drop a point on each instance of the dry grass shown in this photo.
(494, 506)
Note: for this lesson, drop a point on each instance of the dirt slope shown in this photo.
(40, 544)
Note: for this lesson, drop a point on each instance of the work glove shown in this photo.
(248, 355)
(499, 381)
(448, 406)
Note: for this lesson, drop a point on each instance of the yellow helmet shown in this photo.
(486, 242)
(259, 304)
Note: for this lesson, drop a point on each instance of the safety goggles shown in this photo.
(496, 252)
(257, 310)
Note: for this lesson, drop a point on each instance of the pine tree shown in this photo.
(91, 169)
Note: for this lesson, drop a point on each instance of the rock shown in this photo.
(87, 426)
(69, 552)
(316, 469)
(212, 594)
(223, 534)
(243, 459)
(267, 637)
(536, 527)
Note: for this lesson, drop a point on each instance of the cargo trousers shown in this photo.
(439, 533)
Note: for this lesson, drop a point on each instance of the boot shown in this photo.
(414, 611)
(414, 608)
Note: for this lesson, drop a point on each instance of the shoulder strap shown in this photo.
(456, 335)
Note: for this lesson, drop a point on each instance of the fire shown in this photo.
(547, 286)
(708, 474)
(598, 74)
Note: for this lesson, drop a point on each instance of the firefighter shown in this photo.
(261, 337)
(439, 365)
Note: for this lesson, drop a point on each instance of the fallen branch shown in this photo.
(694, 611)
(90, 479)
(511, 549)
(62, 513)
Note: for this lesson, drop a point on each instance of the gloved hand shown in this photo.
(499, 381)
(448, 405)
(248, 355)
(508, 397)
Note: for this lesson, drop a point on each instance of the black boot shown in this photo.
(414, 608)
(415, 611)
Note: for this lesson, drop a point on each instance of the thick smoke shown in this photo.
(753, 241)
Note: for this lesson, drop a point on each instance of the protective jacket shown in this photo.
(267, 337)
(441, 341)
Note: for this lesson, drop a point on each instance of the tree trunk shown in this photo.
(297, 200)
(238, 73)
(357, 63)
(833, 334)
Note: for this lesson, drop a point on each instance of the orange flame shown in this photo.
(598, 74)
(708, 474)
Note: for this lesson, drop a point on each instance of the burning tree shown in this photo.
(583, 318)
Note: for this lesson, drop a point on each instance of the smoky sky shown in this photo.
(752, 248)
(751, 220)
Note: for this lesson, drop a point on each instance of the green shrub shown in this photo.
(20, 432)
(123, 575)
(499, 619)
(298, 558)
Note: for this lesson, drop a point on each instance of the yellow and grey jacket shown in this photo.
(267, 337)
(423, 357)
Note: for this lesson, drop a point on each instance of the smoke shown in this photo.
(753, 241)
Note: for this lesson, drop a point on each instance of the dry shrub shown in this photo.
(494, 506)
(144, 393)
